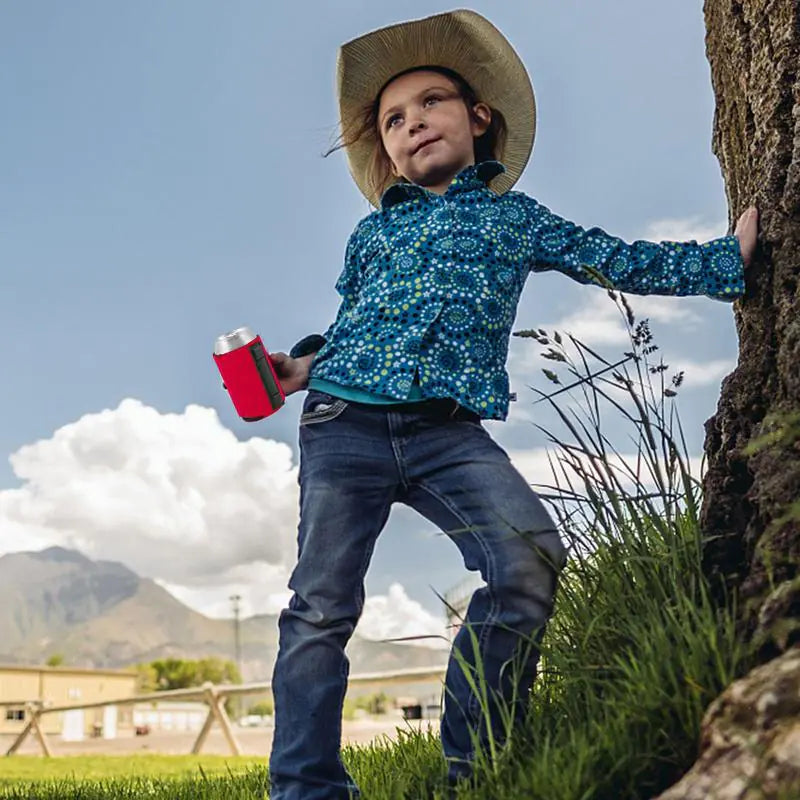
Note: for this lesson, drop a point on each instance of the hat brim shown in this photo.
(462, 41)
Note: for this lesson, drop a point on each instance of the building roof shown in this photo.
(66, 670)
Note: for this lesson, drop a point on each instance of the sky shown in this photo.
(162, 182)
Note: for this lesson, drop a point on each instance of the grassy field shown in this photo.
(410, 768)
(37, 769)
(124, 776)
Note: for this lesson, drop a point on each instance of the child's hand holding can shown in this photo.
(292, 372)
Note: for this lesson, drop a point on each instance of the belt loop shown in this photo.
(455, 409)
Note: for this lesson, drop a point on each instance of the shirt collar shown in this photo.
(474, 176)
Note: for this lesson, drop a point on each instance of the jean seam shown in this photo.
(490, 570)
(362, 571)
(397, 450)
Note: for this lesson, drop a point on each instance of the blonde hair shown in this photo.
(488, 146)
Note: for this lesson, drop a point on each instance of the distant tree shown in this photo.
(373, 703)
(178, 673)
(55, 660)
(146, 679)
(262, 709)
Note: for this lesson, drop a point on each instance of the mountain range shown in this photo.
(102, 614)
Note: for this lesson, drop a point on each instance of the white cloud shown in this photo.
(597, 320)
(261, 586)
(684, 230)
(396, 615)
(696, 373)
(534, 466)
(173, 496)
(262, 590)
(525, 365)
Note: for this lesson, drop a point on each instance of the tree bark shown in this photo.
(751, 512)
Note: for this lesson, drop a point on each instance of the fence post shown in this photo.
(216, 711)
(208, 697)
(34, 711)
(225, 723)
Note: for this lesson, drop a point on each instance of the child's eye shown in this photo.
(432, 98)
(390, 122)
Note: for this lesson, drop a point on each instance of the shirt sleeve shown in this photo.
(714, 269)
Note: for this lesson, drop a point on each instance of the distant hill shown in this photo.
(101, 614)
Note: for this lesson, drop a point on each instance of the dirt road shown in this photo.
(253, 741)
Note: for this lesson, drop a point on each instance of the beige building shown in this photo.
(170, 716)
(62, 686)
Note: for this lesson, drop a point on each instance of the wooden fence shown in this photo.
(213, 696)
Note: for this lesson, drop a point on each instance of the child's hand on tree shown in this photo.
(292, 372)
(747, 233)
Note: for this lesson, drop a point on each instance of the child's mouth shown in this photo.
(422, 146)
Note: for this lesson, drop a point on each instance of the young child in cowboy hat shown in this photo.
(438, 120)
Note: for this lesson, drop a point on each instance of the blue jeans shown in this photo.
(355, 461)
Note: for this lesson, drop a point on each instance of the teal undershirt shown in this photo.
(362, 395)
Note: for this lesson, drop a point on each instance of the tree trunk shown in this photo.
(751, 510)
(751, 507)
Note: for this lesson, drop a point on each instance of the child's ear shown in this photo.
(481, 118)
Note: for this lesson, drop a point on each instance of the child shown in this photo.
(399, 384)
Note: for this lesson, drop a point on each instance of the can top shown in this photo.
(233, 340)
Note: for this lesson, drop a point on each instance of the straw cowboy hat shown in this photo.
(462, 41)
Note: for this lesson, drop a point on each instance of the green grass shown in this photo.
(36, 768)
(126, 776)
(631, 659)
(19, 770)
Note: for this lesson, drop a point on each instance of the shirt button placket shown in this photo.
(452, 224)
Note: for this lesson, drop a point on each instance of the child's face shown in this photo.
(427, 129)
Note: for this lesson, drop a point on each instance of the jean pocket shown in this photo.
(321, 407)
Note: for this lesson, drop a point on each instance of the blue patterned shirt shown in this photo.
(431, 283)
